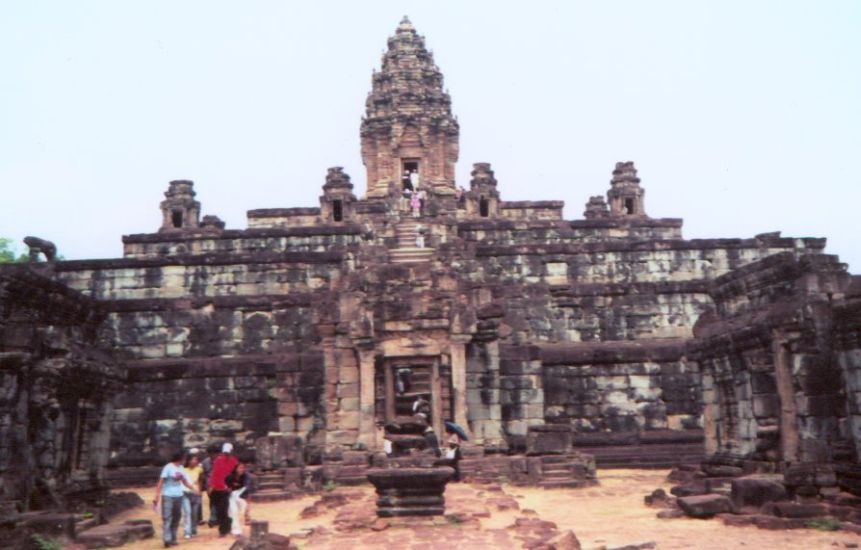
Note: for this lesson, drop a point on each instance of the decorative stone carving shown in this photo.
(40, 246)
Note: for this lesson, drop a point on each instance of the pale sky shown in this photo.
(742, 116)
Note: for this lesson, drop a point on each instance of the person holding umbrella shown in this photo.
(456, 434)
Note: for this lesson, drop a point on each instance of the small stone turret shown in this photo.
(625, 195)
(596, 208)
(179, 209)
(483, 196)
(336, 204)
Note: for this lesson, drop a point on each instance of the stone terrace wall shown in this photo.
(201, 276)
(208, 327)
(197, 402)
(602, 388)
(532, 210)
(270, 239)
(283, 217)
(524, 231)
(629, 262)
(221, 346)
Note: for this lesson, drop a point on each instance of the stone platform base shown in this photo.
(410, 491)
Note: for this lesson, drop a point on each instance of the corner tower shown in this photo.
(408, 132)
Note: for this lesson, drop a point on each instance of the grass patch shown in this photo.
(453, 519)
(45, 543)
(330, 486)
(824, 524)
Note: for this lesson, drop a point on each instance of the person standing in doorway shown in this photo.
(219, 492)
(169, 492)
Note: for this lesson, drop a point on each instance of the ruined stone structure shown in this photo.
(319, 326)
(56, 393)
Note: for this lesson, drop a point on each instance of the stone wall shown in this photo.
(531, 210)
(200, 276)
(772, 385)
(556, 230)
(618, 388)
(258, 238)
(283, 217)
(56, 389)
(177, 404)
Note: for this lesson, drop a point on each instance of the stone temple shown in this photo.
(308, 337)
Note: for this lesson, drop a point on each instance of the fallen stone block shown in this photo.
(775, 523)
(705, 506)
(113, 535)
(736, 520)
(757, 489)
(690, 489)
(722, 470)
(566, 540)
(799, 510)
(640, 546)
(659, 497)
(52, 524)
(672, 513)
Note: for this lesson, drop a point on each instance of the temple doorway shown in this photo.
(412, 394)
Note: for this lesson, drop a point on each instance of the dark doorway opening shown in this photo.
(176, 218)
(483, 207)
(410, 174)
(629, 206)
(337, 211)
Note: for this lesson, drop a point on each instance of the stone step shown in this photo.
(271, 495)
(555, 459)
(410, 255)
(560, 484)
(263, 485)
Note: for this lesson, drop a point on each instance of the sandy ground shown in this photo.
(611, 514)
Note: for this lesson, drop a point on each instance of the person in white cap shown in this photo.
(219, 492)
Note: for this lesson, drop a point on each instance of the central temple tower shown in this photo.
(408, 132)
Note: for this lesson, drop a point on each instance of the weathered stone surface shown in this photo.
(113, 535)
(756, 490)
(704, 506)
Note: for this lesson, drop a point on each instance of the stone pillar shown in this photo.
(436, 401)
(458, 381)
(786, 394)
(367, 397)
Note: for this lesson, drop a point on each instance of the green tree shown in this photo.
(7, 252)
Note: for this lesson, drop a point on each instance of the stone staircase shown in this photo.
(407, 252)
(271, 486)
(557, 471)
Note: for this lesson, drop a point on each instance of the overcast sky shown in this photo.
(742, 117)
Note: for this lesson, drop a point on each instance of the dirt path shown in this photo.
(611, 515)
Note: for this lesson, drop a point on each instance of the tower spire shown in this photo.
(408, 125)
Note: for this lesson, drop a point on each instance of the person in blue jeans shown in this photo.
(191, 509)
(169, 491)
